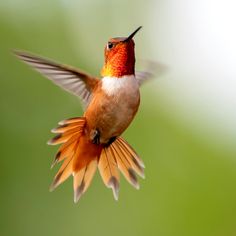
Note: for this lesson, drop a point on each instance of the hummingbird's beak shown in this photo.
(132, 35)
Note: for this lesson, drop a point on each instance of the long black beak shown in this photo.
(132, 35)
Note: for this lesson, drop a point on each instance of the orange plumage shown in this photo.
(110, 104)
(119, 61)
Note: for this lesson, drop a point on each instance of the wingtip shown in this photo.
(20, 53)
(16, 51)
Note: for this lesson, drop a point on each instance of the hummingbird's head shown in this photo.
(119, 56)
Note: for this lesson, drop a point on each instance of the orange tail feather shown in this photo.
(79, 154)
(81, 157)
(120, 155)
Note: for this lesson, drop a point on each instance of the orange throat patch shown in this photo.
(120, 61)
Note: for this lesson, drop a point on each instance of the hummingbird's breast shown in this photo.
(113, 107)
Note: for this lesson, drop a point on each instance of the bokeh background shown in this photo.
(185, 130)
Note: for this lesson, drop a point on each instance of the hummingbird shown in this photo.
(110, 104)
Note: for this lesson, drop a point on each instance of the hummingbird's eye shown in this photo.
(110, 45)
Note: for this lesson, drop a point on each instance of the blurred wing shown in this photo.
(68, 78)
(142, 76)
(151, 70)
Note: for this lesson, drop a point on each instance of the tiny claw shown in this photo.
(96, 137)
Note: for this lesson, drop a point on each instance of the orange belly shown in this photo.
(111, 114)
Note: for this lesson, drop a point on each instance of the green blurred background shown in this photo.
(184, 131)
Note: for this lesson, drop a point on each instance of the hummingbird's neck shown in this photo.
(119, 64)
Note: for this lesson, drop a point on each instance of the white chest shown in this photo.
(123, 85)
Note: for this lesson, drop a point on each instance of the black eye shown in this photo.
(110, 45)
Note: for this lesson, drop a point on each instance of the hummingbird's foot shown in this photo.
(96, 137)
(111, 140)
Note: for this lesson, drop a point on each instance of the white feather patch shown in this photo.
(112, 85)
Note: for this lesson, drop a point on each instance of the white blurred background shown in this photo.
(196, 40)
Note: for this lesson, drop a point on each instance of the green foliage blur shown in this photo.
(190, 185)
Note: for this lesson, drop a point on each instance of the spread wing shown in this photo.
(68, 78)
(150, 69)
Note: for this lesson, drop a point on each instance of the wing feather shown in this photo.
(150, 70)
(66, 77)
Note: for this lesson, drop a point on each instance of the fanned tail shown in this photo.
(81, 157)
(83, 178)
(109, 171)
(68, 134)
(120, 155)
